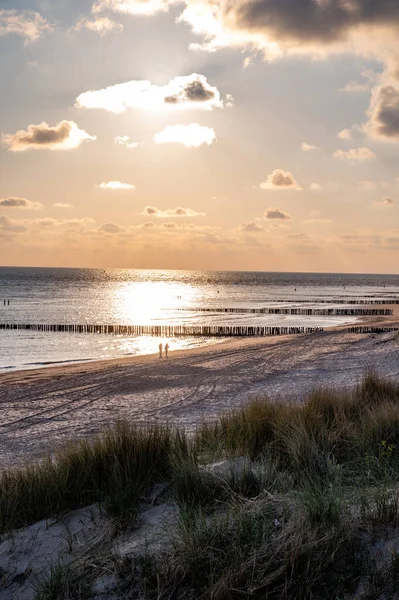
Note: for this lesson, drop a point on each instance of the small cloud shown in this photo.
(132, 7)
(101, 25)
(354, 132)
(276, 214)
(26, 23)
(9, 226)
(368, 79)
(190, 136)
(280, 180)
(309, 147)
(355, 154)
(385, 202)
(229, 102)
(62, 205)
(151, 211)
(367, 185)
(124, 140)
(251, 227)
(19, 203)
(345, 134)
(355, 87)
(185, 92)
(66, 135)
(110, 228)
(116, 185)
(169, 225)
(316, 187)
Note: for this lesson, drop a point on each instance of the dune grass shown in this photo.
(300, 493)
(115, 468)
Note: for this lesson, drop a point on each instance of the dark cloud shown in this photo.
(65, 135)
(251, 227)
(19, 203)
(280, 180)
(169, 225)
(110, 228)
(307, 21)
(276, 213)
(171, 212)
(384, 113)
(196, 90)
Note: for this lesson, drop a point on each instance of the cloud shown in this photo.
(9, 226)
(101, 25)
(291, 26)
(25, 23)
(280, 180)
(132, 7)
(190, 91)
(316, 187)
(62, 205)
(345, 134)
(116, 185)
(191, 136)
(355, 154)
(110, 228)
(385, 202)
(13, 202)
(383, 119)
(309, 147)
(276, 214)
(151, 211)
(251, 227)
(368, 78)
(66, 135)
(124, 140)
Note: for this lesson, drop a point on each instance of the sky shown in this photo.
(200, 134)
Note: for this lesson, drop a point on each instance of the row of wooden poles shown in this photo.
(338, 301)
(301, 311)
(171, 331)
(371, 329)
(162, 330)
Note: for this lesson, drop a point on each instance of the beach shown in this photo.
(42, 408)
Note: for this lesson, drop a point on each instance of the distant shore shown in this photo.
(42, 407)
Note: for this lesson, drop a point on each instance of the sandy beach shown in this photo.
(41, 408)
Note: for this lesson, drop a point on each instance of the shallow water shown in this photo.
(157, 297)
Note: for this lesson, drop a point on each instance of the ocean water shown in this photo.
(44, 295)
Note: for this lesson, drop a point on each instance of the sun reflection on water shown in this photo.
(146, 302)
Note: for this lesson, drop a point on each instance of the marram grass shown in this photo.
(293, 516)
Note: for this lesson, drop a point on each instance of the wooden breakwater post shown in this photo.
(372, 329)
(335, 312)
(169, 331)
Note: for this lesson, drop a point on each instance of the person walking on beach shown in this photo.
(166, 349)
(160, 350)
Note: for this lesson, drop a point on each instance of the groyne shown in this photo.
(364, 312)
(169, 331)
(371, 329)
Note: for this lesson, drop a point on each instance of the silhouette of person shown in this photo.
(166, 349)
(160, 350)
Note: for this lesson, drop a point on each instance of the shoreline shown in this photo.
(44, 407)
(92, 365)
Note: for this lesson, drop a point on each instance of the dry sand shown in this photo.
(43, 407)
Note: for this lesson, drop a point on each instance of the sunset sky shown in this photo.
(195, 134)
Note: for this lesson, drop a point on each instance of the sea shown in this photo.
(160, 297)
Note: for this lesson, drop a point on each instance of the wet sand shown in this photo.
(41, 408)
